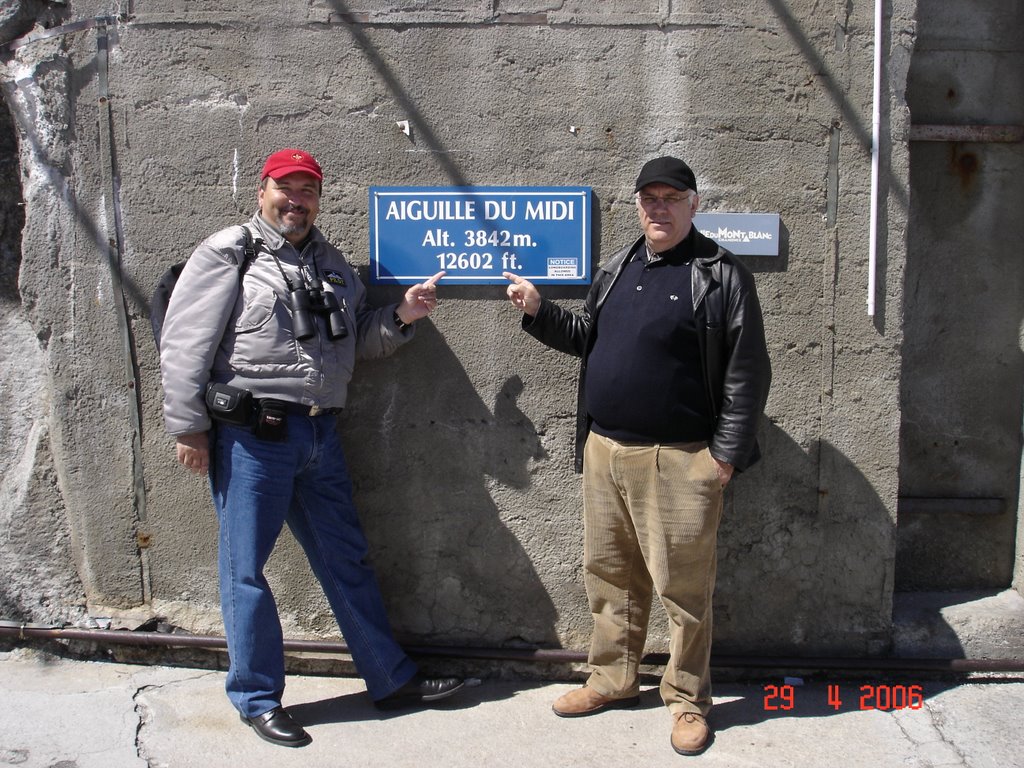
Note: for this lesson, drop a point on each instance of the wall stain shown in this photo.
(964, 165)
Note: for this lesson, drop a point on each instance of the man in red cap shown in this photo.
(674, 377)
(257, 349)
(289, 195)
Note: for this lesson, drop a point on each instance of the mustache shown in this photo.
(295, 209)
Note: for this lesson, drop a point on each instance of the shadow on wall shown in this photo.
(806, 556)
(12, 209)
(428, 458)
(857, 122)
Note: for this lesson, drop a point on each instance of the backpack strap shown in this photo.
(250, 250)
(162, 294)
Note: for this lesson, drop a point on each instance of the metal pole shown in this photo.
(534, 655)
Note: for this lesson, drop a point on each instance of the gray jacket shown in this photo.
(237, 328)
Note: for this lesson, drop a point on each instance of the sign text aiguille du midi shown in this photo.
(476, 233)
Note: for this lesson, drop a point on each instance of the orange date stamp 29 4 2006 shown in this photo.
(867, 697)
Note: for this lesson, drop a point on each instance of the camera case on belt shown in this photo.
(271, 421)
(230, 404)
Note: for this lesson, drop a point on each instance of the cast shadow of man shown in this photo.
(807, 554)
(430, 463)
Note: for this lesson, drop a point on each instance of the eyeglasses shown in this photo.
(650, 201)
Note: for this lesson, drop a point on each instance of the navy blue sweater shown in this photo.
(644, 382)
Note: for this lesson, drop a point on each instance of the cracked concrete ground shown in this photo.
(58, 713)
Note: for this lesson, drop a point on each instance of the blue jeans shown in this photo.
(257, 487)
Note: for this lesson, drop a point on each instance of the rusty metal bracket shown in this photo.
(64, 29)
(979, 134)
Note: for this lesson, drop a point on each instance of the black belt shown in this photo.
(298, 409)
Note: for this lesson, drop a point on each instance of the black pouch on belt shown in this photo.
(271, 420)
(230, 404)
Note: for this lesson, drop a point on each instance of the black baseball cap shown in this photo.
(666, 170)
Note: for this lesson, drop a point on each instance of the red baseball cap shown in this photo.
(286, 161)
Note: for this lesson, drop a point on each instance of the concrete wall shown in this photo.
(138, 139)
(963, 370)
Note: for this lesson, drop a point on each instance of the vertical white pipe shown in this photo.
(876, 122)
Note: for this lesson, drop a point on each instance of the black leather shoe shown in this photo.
(420, 690)
(277, 727)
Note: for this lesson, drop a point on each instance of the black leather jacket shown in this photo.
(737, 371)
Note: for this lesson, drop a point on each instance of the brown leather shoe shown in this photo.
(690, 734)
(586, 701)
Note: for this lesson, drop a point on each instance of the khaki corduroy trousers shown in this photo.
(651, 515)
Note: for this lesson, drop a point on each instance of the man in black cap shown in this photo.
(674, 377)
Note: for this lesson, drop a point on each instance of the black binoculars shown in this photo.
(307, 302)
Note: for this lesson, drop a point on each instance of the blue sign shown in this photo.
(745, 234)
(476, 233)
